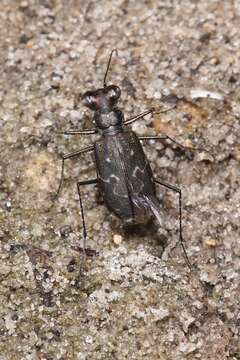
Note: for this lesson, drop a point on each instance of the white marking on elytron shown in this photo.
(114, 177)
(104, 180)
(108, 160)
(134, 174)
(108, 181)
(116, 186)
(132, 152)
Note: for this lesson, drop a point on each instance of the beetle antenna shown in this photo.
(108, 66)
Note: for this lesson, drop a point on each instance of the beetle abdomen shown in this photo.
(126, 177)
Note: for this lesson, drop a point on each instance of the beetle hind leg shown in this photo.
(84, 253)
(181, 239)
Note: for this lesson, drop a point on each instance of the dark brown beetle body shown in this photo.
(124, 175)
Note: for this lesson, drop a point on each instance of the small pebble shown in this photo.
(210, 242)
(117, 239)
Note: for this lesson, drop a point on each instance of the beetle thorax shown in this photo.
(105, 120)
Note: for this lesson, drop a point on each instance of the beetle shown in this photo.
(124, 175)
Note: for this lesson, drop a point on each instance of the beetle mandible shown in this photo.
(124, 175)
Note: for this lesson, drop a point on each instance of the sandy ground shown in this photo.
(137, 299)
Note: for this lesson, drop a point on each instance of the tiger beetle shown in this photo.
(124, 175)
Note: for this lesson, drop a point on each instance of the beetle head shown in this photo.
(102, 100)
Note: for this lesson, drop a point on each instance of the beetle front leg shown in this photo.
(137, 117)
(150, 111)
(78, 132)
(69, 156)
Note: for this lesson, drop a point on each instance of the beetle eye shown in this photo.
(88, 100)
(114, 92)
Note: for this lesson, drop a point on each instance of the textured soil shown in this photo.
(137, 299)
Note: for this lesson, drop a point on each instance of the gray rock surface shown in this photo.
(137, 300)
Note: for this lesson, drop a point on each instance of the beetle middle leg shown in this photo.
(179, 192)
(166, 137)
(162, 137)
(69, 156)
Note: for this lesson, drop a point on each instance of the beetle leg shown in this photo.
(166, 137)
(179, 192)
(69, 156)
(79, 184)
(78, 132)
(137, 117)
(163, 137)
